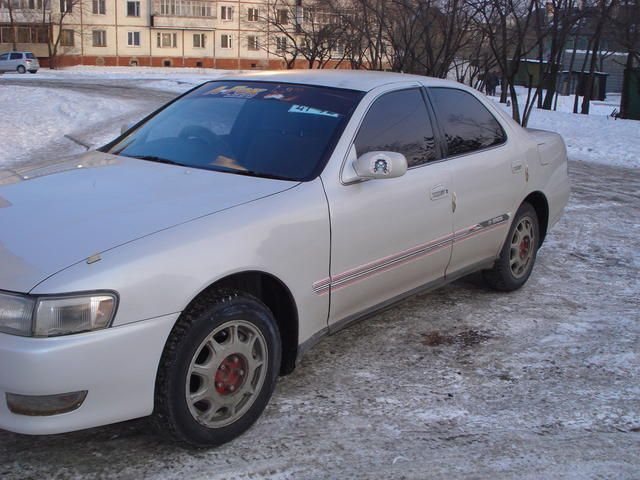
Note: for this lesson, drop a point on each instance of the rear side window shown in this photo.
(468, 125)
(398, 122)
(16, 56)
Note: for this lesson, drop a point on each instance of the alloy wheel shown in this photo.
(522, 247)
(226, 374)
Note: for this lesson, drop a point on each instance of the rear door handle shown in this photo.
(516, 166)
(439, 191)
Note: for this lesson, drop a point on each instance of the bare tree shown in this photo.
(626, 25)
(511, 37)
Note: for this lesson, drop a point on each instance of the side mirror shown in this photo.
(380, 165)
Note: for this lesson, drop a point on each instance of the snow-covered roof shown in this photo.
(362, 80)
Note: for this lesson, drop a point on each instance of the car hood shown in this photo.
(55, 215)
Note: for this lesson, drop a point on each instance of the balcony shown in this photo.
(189, 14)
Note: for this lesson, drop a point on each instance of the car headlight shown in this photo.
(51, 316)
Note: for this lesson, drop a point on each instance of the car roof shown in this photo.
(363, 80)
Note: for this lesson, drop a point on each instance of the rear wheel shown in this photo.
(21, 69)
(518, 255)
(218, 370)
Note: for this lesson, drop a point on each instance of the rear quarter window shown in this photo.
(468, 125)
(30, 55)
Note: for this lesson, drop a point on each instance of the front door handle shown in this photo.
(439, 191)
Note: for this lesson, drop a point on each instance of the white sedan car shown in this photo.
(177, 271)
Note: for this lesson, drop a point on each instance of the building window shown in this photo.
(226, 13)
(67, 38)
(282, 16)
(253, 43)
(133, 8)
(281, 44)
(252, 14)
(99, 7)
(199, 40)
(167, 40)
(66, 6)
(185, 8)
(133, 39)
(225, 41)
(99, 38)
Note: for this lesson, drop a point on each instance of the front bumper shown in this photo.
(116, 366)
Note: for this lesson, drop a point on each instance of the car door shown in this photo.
(15, 59)
(4, 61)
(488, 174)
(388, 236)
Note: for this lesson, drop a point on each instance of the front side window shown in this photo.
(398, 122)
(4, 56)
(248, 128)
(468, 125)
(99, 38)
(133, 8)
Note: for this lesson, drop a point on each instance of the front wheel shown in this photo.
(218, 369)
(518, 255)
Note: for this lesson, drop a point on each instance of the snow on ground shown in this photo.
(596, 137)
(459, 383)
(169, 79)
(34, 117)
(462, 382)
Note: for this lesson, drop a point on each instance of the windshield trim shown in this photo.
(321, 164)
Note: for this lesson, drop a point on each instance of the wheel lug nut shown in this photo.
(219, 385)
(241, 372)
(232, 388)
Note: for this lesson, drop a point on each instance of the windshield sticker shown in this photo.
(285, 94)
(312, 111)
(239, 91)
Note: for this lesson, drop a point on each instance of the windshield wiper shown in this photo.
(153, 158)
(248, 173)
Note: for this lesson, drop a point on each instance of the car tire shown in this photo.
(33, 71)
(21, 69)
(218, 369)
(518, 255)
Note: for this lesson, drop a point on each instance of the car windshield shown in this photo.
(263, 129)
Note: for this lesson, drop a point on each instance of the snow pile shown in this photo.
(596, 137)
(33, 118)
(160, 78)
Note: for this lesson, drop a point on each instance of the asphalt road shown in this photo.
(462, 382)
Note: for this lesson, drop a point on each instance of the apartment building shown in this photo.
(191, 33)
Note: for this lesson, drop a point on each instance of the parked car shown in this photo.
(21, 62)
(178, 270)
